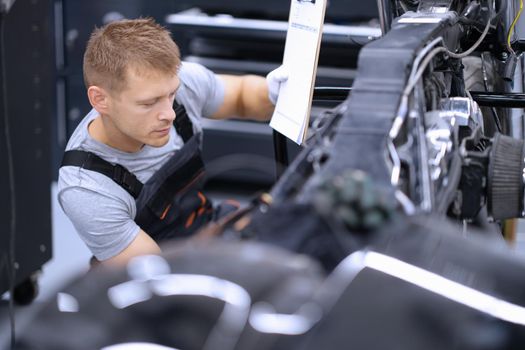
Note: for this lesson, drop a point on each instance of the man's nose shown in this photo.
(167, 112)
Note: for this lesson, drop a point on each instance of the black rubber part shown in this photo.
(26, 291)
(505, 178)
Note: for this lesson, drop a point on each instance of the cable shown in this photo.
(417, 72)
(11, 181)
(480, 39)
(419, 69)
(511, 29)
(478, 42)
(450, 53)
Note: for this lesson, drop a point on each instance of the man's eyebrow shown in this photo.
(155, 98)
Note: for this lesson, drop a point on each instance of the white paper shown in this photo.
(301, 52)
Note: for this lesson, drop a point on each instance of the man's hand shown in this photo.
(274, 79)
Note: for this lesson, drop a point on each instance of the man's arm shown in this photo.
(246, 97)
(103, 221)
(143, 244)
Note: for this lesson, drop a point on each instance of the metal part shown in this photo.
(426, 189)
(435, 6)
(441, 130)
(385, 15)
(462, 110)
(510, 67)
(475, 151)
(439, 135)
(362, 127)
(281, 153)
(425, 17)
(343, 32)
(516, 114)
(331, 93)
(495, 99)
(396, 163)
(472, 10)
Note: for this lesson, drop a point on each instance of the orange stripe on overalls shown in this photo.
(165, 212)
(190, 220)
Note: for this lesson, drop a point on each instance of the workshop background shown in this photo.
(42, 47)
(44, 97)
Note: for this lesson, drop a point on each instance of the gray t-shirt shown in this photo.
(103, 212)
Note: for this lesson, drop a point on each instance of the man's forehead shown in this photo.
(157, 82)
(148, 73)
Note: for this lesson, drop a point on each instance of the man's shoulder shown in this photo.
(82, 192)
(201, 88)
(189, 68)
(195, 76)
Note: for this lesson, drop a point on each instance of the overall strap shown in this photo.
(90, 161)
(182, 122)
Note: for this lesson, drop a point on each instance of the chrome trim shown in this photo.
(396, 163)
(426, 182)
(408, 207)
(436, 284)
(151, 275)
(385, 15)
(264, 319)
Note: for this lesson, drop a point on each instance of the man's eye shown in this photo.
(148, 104)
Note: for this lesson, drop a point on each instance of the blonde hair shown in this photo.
(139, 44)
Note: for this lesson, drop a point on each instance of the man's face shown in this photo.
(143, 112)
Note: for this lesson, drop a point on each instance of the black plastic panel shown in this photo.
(30, 96)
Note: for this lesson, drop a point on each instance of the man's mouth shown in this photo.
(164, 131)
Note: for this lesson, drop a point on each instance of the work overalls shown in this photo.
(170, 204)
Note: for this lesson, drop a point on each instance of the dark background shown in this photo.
(30, 86)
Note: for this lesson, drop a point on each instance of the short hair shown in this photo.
(139, 44)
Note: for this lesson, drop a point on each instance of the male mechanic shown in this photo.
(131, 171)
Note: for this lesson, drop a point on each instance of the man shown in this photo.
(130, 175)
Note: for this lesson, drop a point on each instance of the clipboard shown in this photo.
(301, 54)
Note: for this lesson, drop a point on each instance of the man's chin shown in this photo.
(159, 142)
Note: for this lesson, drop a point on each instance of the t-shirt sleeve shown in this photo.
(103, 222)
(206, 89)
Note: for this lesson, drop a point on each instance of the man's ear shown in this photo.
(98, 98)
